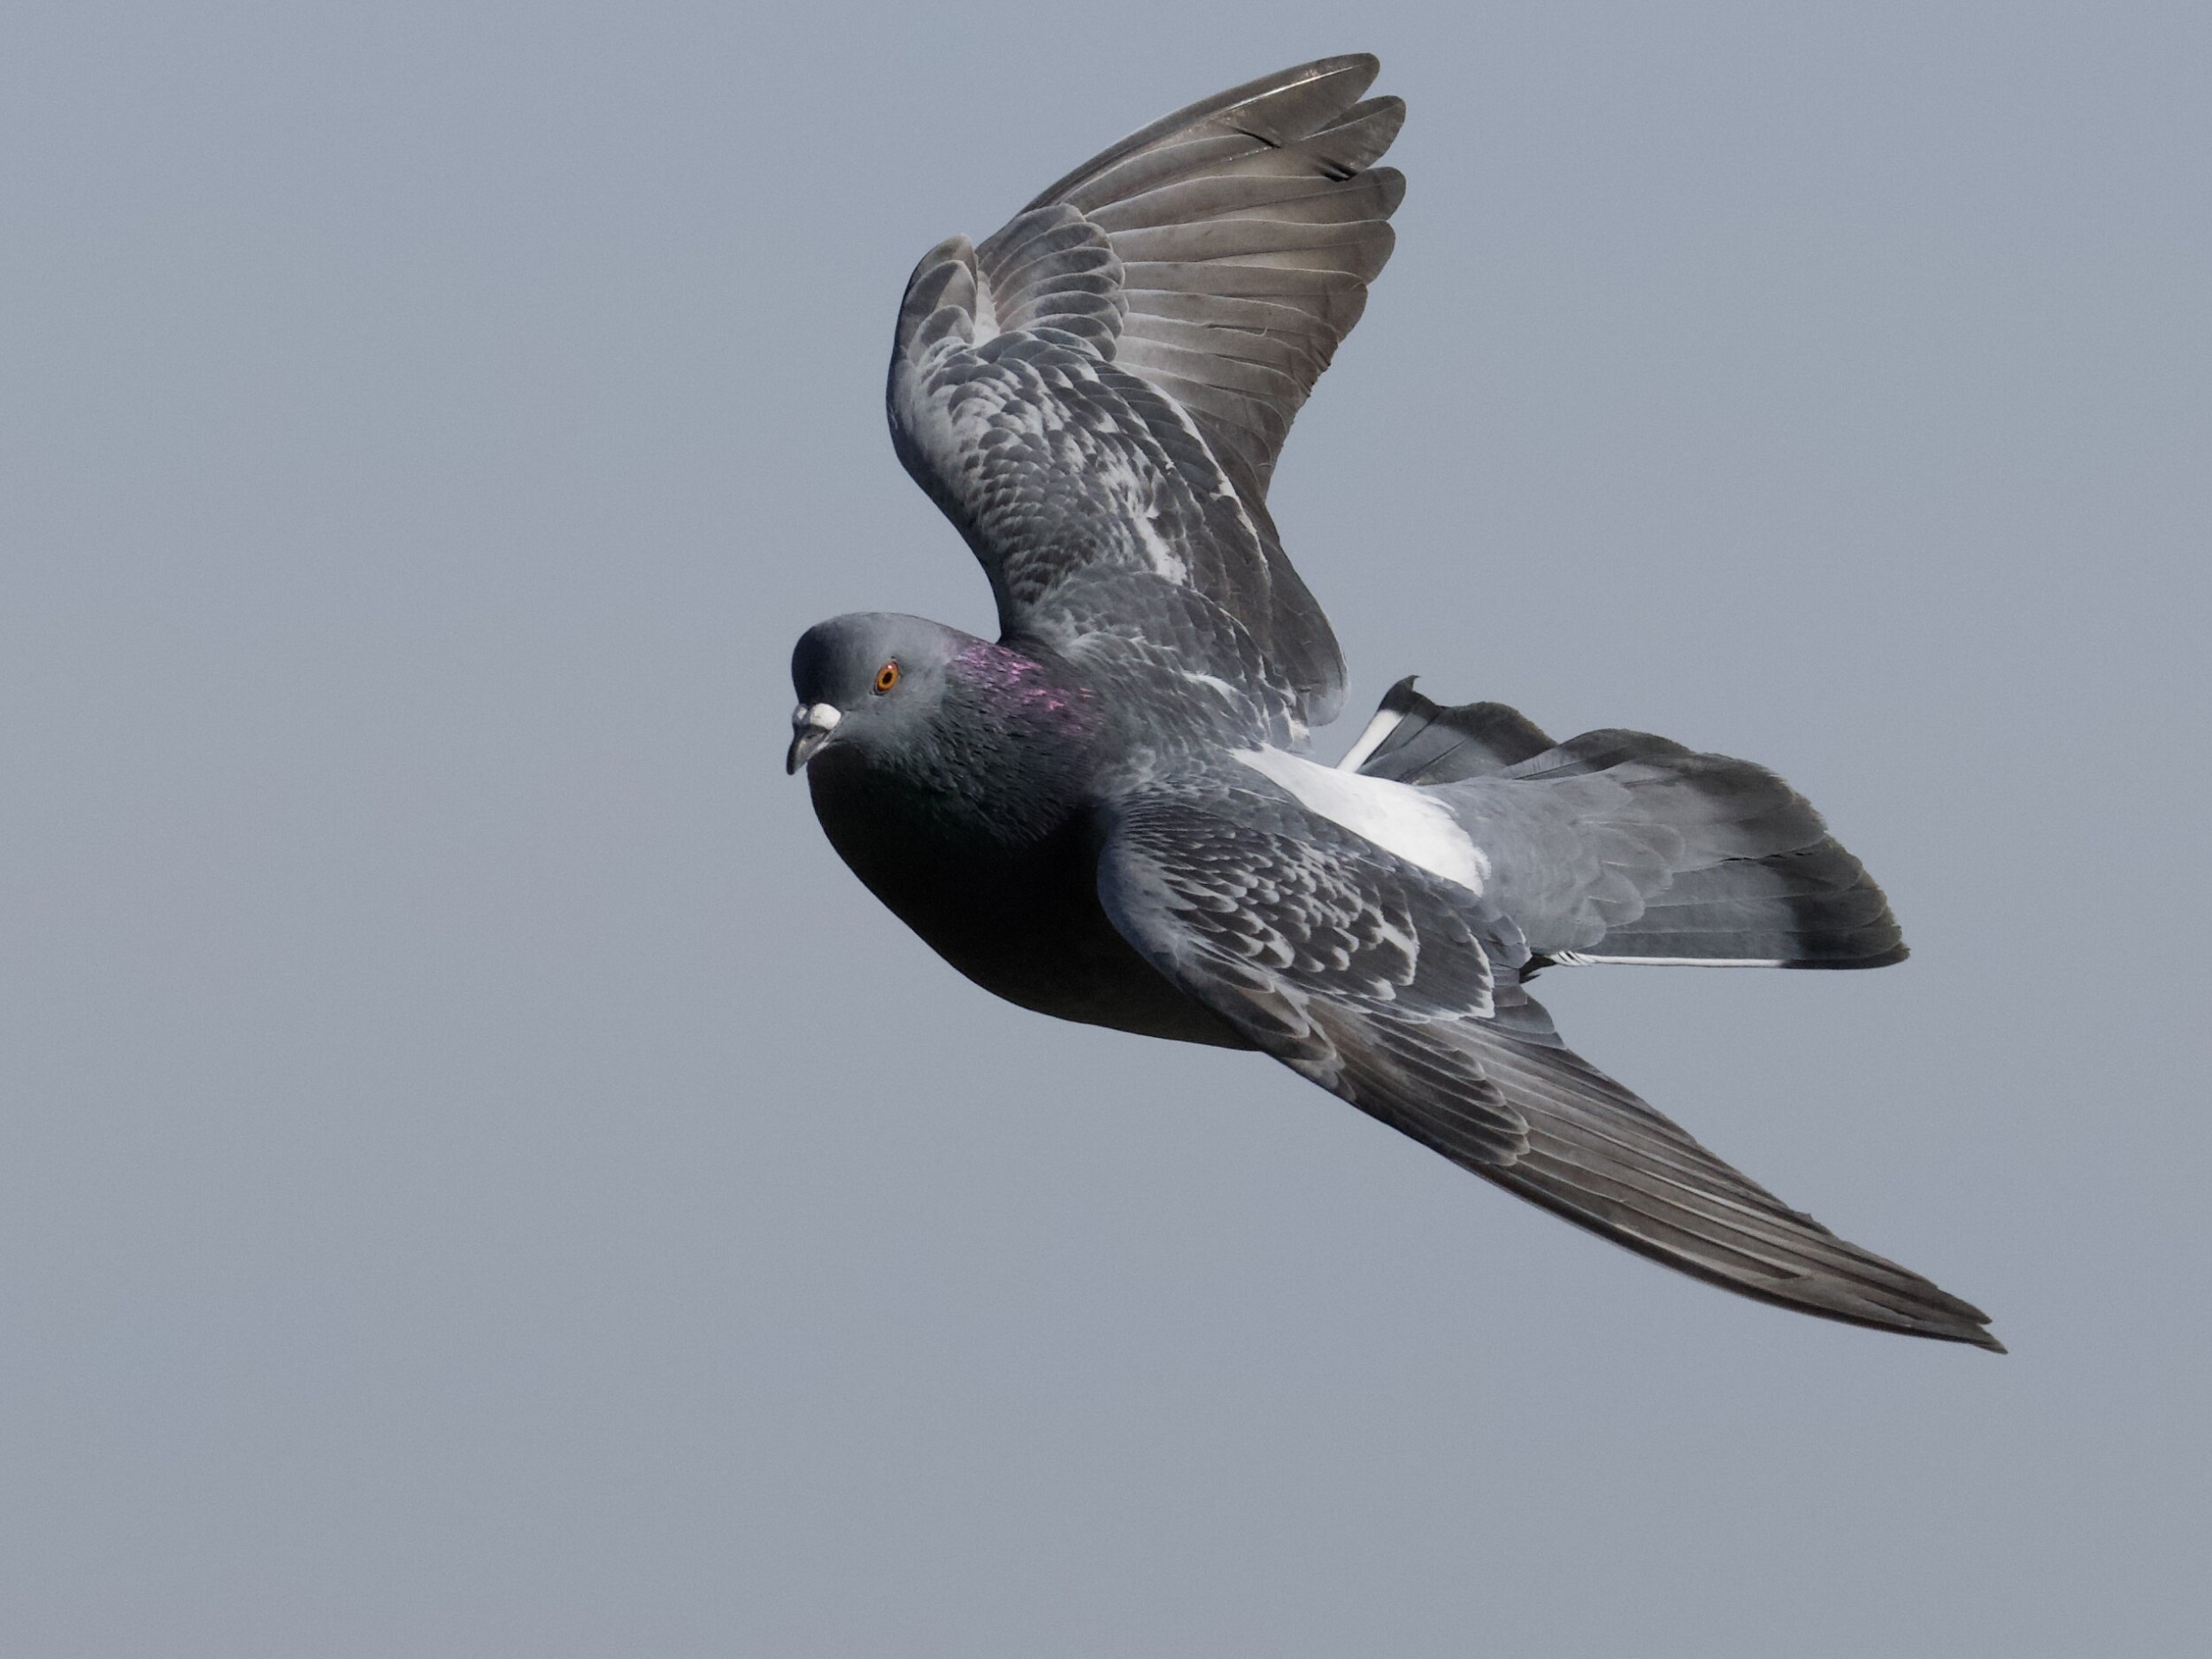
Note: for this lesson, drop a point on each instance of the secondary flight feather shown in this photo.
(1108, 814)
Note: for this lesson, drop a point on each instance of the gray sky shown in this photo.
(477, 1175)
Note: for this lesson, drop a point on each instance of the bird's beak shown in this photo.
(811, 723)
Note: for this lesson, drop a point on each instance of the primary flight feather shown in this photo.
(1109, 815)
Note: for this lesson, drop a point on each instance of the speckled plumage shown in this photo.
(1107, 816)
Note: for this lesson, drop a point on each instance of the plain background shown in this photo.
(478, 1177)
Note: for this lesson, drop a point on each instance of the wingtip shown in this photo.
(1980, 1335)
(1339, 64)
(1969, 1326)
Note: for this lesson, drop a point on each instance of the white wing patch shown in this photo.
(1396, 817)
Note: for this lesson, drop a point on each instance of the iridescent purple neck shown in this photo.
(1023, 692)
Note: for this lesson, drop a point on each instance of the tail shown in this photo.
(1623, 846)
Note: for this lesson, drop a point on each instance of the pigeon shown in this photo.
(1111, 814)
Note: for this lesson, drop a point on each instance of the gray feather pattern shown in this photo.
(1216, 258)
(1299, 944)
(1274, 110)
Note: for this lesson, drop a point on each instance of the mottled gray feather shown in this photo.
(1321, 954)
(1104, 385)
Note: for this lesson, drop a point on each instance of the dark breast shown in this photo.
(1018, 915)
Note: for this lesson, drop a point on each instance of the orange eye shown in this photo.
(887, 677)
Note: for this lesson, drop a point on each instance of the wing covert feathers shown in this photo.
(1136, 344)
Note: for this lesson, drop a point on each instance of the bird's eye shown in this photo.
(887, 677)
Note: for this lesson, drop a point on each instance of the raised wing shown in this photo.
(1096, 395)
(1399, 993)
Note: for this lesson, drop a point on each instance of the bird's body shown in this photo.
(990, 853)
(1109, 815)
(1020, 919)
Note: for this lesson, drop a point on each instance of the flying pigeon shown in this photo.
(1110, 814)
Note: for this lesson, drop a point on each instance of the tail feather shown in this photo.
(1620, 846)
(1812, 908)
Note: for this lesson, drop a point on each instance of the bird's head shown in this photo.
(869, 681)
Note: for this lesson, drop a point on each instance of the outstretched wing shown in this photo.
(1096, 395)
(1401, 992)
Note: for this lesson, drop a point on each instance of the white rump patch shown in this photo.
(1396, 817)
